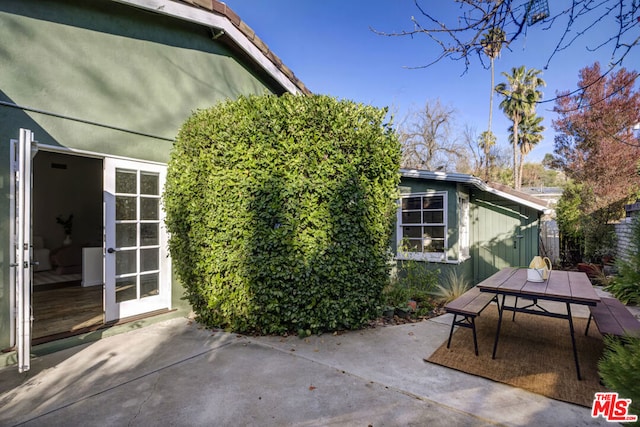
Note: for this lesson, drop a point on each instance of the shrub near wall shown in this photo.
(280, 211)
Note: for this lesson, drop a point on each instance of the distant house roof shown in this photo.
(501, 190)
(228, 28)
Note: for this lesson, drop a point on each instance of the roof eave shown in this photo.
(472, 180)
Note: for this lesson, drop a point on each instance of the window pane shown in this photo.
(149, 208)
(434, 245)
(126, 181)
(433, 202)
(433, 217)
(126, 262)
(149, 183)
(149, 234)
(149, 259)
(411, 203)
(411, 217)
(412, 245)
(126, 208)
(434, 232)
(149, 285)
(415, 232)
(126, 289)
(125, 235)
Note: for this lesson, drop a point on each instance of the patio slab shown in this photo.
(175, 373)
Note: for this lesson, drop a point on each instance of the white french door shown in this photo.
(21, 154)
(137, 267)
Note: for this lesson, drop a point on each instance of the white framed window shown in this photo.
(422, 226)
(463, 229)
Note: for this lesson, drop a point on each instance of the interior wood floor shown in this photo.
(65, 309)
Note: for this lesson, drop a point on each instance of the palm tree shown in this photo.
(520, 96)
(530, 134)
(492, 45)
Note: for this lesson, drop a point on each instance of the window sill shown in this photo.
(440, 259)
(433, 257)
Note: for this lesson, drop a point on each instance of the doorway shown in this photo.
(67, 223)
(89, 242)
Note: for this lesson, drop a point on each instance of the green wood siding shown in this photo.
(496, 227)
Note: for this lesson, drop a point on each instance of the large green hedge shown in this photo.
(280, 211)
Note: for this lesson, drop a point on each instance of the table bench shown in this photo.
(612, 318)
(469, 305)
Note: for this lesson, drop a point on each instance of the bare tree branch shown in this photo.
(459, 38)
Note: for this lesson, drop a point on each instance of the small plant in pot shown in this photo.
(67, 226)
(396, 297)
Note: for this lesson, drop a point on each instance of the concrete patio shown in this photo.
(175, 373)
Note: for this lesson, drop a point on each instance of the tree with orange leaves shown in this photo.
(595, 142)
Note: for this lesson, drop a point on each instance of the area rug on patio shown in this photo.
(534, 353)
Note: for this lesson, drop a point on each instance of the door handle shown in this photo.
(111, 250)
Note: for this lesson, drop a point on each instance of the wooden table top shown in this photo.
(565, 286)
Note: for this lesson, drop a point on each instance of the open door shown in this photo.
(137, 267)
(22, 152)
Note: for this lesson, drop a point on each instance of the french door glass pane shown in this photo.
(149, 234)
(149, 285)
(149, 208)
(149, 259)
(126, 289)
(126, 181)
(126, 262)
(149, 183)
(126, 235)
(126, 208)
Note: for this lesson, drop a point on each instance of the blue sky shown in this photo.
(329, 46)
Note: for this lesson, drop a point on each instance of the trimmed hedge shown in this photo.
(280, 211)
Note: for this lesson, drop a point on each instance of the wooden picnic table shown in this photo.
(568, 287)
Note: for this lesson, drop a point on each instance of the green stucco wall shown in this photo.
(108, 63)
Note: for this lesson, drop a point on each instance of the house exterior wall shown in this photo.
(495, 226)
(412, 185)
(132, 76)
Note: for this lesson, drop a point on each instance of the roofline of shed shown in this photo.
(218, 16)
(511, 194)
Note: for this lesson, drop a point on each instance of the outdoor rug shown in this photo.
(534, 353)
